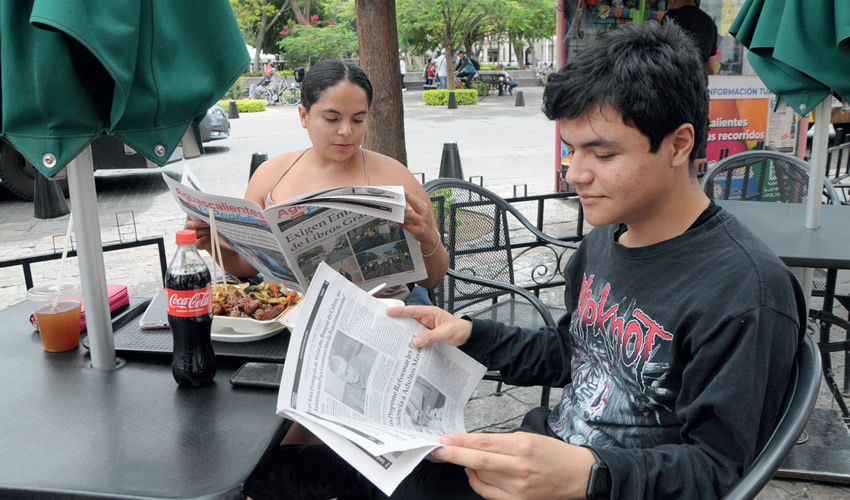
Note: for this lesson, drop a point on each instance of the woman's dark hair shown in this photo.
(651, 74)
(326, 74)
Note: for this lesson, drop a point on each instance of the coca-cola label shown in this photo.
(188, 303)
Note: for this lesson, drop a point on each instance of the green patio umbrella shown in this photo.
(143, 71)
(799, 48)
(140, 70)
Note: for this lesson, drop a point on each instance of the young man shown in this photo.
(464, 69)
(682, 327)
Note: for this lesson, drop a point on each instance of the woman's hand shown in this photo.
(202, 230)
(418, 221)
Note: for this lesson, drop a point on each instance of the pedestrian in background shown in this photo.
(403, 68)
(442, 70)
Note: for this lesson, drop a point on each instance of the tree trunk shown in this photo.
(378, 38)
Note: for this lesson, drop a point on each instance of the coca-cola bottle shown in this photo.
(187, 284)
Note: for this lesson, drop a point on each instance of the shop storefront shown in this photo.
(742, 111)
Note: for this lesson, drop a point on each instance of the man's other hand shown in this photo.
(442, 326)
(519, 465)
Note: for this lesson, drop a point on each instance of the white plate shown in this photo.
(227, 329)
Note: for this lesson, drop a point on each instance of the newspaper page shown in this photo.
(354, 233)
(353, 378)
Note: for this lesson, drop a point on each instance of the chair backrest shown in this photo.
(762, 176)
(804, 385)
(838, 168)
(473, 222)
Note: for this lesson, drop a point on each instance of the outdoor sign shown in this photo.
(737, 115)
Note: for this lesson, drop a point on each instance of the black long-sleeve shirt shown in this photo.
(677, 356)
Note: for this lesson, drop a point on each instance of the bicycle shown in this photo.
(279, 90)
(291, 95)
(477, 83)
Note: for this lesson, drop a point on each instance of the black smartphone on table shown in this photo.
(255, 374)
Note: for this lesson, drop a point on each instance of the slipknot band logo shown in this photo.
(186, 303)
(629, 337)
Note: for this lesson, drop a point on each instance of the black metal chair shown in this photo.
(475, 225)
(803, 392)
(762, 176)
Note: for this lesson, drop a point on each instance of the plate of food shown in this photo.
(246, 313)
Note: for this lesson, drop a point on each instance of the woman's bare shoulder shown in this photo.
(267, 174)
(386, 170)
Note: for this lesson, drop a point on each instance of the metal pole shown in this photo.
(90, 257)
(560, 61)
(818, 163)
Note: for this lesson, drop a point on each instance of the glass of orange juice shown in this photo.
(57, 310)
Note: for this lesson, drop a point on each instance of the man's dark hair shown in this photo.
(327, 73)
(651, 74)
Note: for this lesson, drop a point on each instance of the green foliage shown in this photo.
(426, 24)
(246, 105)
(314, 40)
(448, 198)
(441, 97)
(254, 15)
(235, 90)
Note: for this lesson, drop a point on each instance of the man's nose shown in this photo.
(576, 173)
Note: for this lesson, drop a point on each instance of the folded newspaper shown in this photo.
(352, 229)
(354, 380)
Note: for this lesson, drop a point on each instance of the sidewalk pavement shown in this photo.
(505, 144)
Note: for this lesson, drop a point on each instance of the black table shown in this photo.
(781, 227)
(69, 431)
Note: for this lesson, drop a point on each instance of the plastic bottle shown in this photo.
(187, 283)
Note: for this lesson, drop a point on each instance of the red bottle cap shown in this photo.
(186, 237)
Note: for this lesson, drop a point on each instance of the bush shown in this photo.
(246, 105)
(441, 97)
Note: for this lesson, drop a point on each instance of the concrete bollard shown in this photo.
(452, 101)
(450, 162)
(520, 100)
(256, 159)
(48, 199)
(233, 112)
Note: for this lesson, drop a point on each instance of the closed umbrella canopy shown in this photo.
(140, 70)
(799, 48)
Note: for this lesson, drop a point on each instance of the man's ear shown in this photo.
(683, 144)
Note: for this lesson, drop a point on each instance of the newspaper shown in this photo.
(353, 378)
(350, 228)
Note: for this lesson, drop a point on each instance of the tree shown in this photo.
(378, 36)
(526, 21)
(310, 41)
(258, 17)
(447, 21)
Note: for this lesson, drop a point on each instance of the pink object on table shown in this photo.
(118, 298)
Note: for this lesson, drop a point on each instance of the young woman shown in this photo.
(335, 100)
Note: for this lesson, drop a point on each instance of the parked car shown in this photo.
(18, 175)
(215, 124)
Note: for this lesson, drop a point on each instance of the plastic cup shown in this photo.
(57, 310)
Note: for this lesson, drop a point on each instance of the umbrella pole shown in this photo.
(90, 256)
(818, 163)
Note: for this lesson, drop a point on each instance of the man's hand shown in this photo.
(443, 326)
(519, 465)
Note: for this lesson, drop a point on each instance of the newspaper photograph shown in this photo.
(352, 372)
(351, 229)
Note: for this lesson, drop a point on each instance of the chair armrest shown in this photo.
(508, 288)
